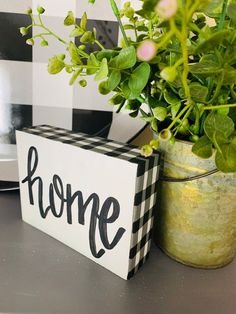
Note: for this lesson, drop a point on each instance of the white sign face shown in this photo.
(86, 196)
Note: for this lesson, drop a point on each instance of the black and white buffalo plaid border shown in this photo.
(146, 183)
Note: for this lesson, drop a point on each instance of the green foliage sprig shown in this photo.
(174, 70)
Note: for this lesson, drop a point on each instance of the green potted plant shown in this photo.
(177, 71)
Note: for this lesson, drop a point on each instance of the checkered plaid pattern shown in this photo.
(41, 98)
(145, 190)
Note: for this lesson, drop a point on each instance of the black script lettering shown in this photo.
(93, 224)
(104, 220)
(70, 201)
(81, 216)
(57, 188)
(31, 168)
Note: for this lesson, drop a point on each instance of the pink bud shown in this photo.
(146, 50)
(166, 8)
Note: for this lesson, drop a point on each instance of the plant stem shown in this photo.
(179, 62)
(178, 116)
(215, 142)
(218, 88)
(184, 117)
(233, 93)
(165, 38)
(219, 107)
(187, 113)
(222, 15)
(182, 36)
(40, 35)
(150, 29)
(83, 54)
(98, 67)
(51, 33)
(32, 18)
(40, 19)
(141, 99)
(192, 9)
(135, 31)
(117, 15)
(197, 121)
(99, 44)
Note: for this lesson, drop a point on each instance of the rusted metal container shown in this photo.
(196, 220)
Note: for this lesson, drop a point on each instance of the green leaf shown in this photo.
(103, 71)
(204, 69)
(126, 59)
(133, 105)
(106, 53)
(232, 114)
(92, 62)
(142, 28)
(114, 80)
(74, 54)
(160, 113)
(87, 38)
(203, 147)
(226, 162)
(217, 39)
(139, 78)
(223, 111)
(83, 22)
(94, 33)
(128, 94)
(208, 65)
(128, 26)
(197, 91)
(231, 11)
(134, 114)
(70, 19)
(218, 127)
(145, 14)
(230, 54)
(153, 102)
(212, 7)
(116, 99)
(174, 101)
(75, 76)
(175, 109)
(171, 98)
(154, 125)
(77, 32)
(55, 65)
(229, 76)
(61, 56)
(147, 118)
(149, 5)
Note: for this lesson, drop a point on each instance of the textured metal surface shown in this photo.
(196, 221)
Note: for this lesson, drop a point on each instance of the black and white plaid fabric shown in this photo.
(145, 190)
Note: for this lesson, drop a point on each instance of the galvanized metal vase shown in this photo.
(196, 220)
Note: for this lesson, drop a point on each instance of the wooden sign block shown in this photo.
(95, 195)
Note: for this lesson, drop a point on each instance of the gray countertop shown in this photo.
(40, 275)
